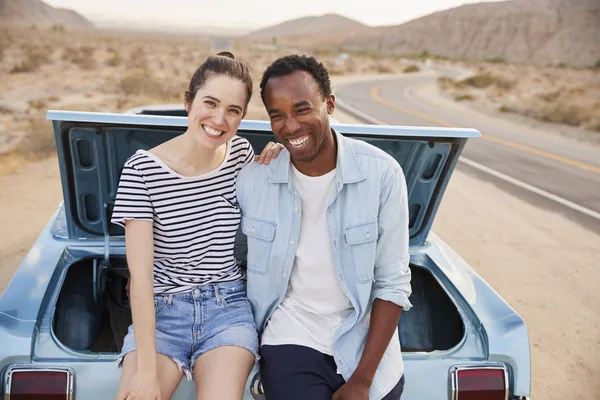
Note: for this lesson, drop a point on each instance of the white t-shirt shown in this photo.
(315, 304)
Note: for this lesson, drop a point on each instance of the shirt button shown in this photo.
(291, 242)
(252, 229)
(197, 292)
(296, 209)
(283, 275)
(368, 235)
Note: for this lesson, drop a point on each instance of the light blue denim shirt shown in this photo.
(367, 219)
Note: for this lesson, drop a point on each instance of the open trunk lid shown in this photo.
(93, 147)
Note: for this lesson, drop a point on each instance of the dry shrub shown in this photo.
(137, 59)
(114, 58)
(562, 113)
(39, 142)
(34, 58)
(485, 79)
(464, 97)
(445, 82)
(384, 68)
(594, 126)
(549, 97)
(411, 68)
(53, 98)
(82, 56)
(37, 104)
(140, 84)
(5, 110)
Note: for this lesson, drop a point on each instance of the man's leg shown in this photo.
(291, 372)
(396, 391)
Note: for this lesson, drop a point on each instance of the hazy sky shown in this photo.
(253, 13)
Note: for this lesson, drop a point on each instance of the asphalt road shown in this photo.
(550, 171)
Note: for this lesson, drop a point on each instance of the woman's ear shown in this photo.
(187, 101)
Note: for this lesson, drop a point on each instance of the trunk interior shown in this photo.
(93, 314)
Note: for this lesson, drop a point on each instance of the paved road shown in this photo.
(550, 171)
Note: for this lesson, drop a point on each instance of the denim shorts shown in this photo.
(191, 323)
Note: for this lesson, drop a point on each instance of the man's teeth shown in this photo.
(211, 131)
(298, 142)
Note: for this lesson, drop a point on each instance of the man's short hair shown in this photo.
(291, 63)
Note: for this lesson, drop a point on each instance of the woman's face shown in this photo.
(216, 111)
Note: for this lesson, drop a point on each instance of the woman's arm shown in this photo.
(140, 260)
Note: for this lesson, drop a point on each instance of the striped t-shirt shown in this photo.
(195, 219)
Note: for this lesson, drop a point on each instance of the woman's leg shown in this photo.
(222, 373)
(169, 375)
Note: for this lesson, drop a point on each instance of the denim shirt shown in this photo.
(367, 218)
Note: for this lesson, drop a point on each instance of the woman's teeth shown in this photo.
(298, 142)
(211, 131)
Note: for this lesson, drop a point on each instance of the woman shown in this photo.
(178, 205)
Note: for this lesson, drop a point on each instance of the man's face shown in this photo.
(299, 114)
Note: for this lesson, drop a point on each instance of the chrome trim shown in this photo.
(41, 368)
(454, 377)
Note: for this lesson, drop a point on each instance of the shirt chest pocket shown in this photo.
(362, 241)
(260, 234)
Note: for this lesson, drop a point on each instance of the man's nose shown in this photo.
(291, 125)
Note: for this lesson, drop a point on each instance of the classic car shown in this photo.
(65, 312)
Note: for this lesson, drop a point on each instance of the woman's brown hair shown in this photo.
(224, 63)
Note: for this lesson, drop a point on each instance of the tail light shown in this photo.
(479, 382)
(27, 382)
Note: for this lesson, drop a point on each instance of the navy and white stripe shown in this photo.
(195, 219)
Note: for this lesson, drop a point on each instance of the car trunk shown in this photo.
(92, 311)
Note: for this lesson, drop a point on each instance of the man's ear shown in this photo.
(330, 103)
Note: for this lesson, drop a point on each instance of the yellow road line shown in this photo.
(528, 149)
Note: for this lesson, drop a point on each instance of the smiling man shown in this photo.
(327, 228)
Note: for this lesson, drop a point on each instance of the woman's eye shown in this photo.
(210, 103)
(235, 111)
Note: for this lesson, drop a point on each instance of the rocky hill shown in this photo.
(544, 32)
(40, 14)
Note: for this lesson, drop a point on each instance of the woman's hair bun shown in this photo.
(227, 54)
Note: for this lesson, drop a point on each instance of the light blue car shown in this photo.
(65, 312)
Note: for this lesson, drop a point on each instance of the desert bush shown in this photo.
(411, 68)
(5, 110)
(485, 79)
(496, 60)
(597, 65)
(549, 97)
(569, 114)
(114, 58)
(34, 58)
(445, 82)
(464, 97)
(82, 56)
(53, 98)
(37, 104)
(384, 68)
(137, 59)
(139, 84)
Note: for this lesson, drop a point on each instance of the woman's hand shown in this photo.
(143, 386)
(270, 151)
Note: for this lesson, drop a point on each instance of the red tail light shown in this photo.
(476, 383)
(39, 383)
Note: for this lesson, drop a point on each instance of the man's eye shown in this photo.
(303, 110)
(275, 116)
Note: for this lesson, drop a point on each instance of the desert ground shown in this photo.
(543, 264)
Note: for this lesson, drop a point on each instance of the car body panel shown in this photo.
(493, 333)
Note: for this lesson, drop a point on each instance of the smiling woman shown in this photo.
(178, 204)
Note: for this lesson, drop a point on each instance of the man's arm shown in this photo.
(391, 288)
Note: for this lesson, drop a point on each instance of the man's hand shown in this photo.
(352, 390)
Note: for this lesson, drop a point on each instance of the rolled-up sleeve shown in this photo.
(392, 272)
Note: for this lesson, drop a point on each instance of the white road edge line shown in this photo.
(483, 168)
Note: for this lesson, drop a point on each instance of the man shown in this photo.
(327, 229)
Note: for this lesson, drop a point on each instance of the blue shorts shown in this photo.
(191, 323)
